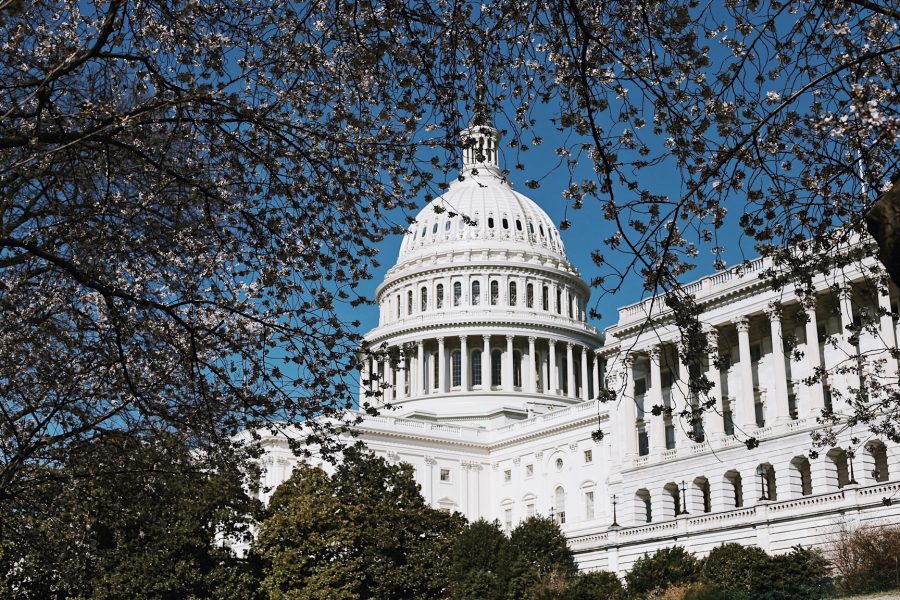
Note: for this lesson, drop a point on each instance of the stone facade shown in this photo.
(495, 391)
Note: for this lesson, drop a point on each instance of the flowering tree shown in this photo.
(189, 190)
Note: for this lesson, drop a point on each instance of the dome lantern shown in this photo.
(481, 144)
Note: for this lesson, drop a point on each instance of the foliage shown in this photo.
(705, 591)
(542, 563)
(801, 574)
(666, 567)
(866, 558)
(596, 585)
(480, 562)
(363, 532)
(129, 517)
(734, 566)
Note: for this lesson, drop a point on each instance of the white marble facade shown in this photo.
(495, 391)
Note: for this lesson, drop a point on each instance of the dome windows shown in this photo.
(476, 293)
(495, 292)
(529, 296)
(518, 225)
(505, 222)
(434, 228)
(545, 298)
(512, 293)
(457, 293)
(409, 302)
(490, 222)
(424, 299)
(541, 229)
(423, 232)
(447, 225)
(439, 296)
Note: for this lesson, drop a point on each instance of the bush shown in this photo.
(734, 567)
(706, 591)
(665, 568)
(800, 575)
(866, 559)
(597, 585)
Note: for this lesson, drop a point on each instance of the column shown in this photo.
(570, 370)
(628, 423)
(400, 389)
(596, 374)
(508, 383)
(364, 379)
(532, 366)
(816, 394)
(888, 335)
(442, 367)
(682, 425)
(848, 354)
(420, 378)
(585, 388)
(464, 362)
(553, 305)
(657, 422)
(777, 410)
(388, 371)
(554, 373)
(714, 418)
(486, 363)
(744, 409)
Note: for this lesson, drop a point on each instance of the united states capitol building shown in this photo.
(497, 377)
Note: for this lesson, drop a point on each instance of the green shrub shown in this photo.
(800, 575)
(705, 591)
(734, 567)
(664, 568)
(597, 585)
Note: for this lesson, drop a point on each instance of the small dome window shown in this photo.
(518, 225)
(491, 222)
(434, 228)
(559, 464)
(505, 223)
(447, 225)
(423, 232)
(541, 228)
(531, 228)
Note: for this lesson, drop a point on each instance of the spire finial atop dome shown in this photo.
(481, 141)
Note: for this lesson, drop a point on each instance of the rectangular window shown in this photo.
(529, 470)
(507, 475)
(589, 505)
(476, 367)
(643, 444)
(640, 386)
(588, 456)
(456, 369)
(507, 519)
(545, 298)
(670, 437)
(529, 509)
(445, 474)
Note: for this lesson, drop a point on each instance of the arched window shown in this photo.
(558, 301)
(491, 222)
(423, 232)
(439, 296)
(545, 298)
(512, 293)
(505, 222)
(456, 368)
(531, 228)
(700, 499)
(434, 228)
(733, 479)
(642, 507)
(518, 225)
(517, 369)
(476, 293)
(838, 459)
(876, 460)
(457, 293)
(476, 367)
(672, 500)
(398, 306)
(766, 474)
(409, 302)
(529, 295)
(799, 477)
(424, 298)
(495, 292)
(559, 505)
(447, 225)
(541, 229)
(496, 368)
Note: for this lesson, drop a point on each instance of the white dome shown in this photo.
(504, 219)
